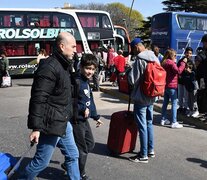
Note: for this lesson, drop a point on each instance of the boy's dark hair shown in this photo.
(188, 49)
(204, 38)
(88, 60)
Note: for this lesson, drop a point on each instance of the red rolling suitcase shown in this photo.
(122, 132)
(123, 84)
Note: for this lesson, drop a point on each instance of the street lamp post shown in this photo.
(125, 24)
(130, 15)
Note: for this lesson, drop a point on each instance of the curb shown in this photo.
(201, 124)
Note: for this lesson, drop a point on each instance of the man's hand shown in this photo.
(99, 123)
(34, 136)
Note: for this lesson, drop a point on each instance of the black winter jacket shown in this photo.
(50, 104)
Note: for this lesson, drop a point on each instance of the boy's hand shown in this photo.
(185, 60)
(99, 123)
(86, 113)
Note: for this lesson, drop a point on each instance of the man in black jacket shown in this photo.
(201, 76)
(50, 109)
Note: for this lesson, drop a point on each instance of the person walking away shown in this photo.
(50, 108)
(95, 76)
(182, 92)
(169, 64)
(191, 85)
(110, 61)
(86, 109)
(4, 65)
(120, 64)
(143, 105)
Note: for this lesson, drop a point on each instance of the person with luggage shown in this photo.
(169, 64)
(143, 105)
(4, 65)
(182, 92)
(86, 109)
(50, 109)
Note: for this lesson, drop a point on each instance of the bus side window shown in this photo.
(83, 21)
(45, 22)
(62, 23)
(7, 22)
(55, 21)
(31, 49)
(92, 22)
(19, 50)
(106, 22)
(1, 21)
(79, 48)
(19, 21)
(47, 48)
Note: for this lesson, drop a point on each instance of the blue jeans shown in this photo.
(172, 95)
(45, 149)
(144, 118)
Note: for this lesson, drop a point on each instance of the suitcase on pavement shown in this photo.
(122, 132)
(7, 161)
(9, 164)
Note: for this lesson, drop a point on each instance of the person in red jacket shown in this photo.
(119, 63)
(169, 64)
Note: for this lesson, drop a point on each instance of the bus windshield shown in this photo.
(122, 40)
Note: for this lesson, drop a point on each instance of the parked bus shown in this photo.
(122, 40)
(24, 31)
(178, 30)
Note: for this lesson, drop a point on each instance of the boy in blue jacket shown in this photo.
(85, 109)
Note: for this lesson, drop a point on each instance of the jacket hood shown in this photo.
(148, 56)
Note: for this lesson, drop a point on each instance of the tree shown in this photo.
(199, 6)
(145, 31)
(92, 6)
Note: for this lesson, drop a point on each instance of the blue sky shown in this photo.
(145, 7)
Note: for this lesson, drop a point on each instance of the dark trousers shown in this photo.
(96, 80)
(84, 141)
(1, 76)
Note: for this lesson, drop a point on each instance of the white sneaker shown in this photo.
(165, 122)
(195, 114)
(176, 125)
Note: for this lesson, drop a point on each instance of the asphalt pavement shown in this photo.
(180, 153)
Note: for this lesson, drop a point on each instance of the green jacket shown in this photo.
(4, 64)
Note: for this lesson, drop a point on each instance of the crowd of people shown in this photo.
(185, 78)
(56, 122)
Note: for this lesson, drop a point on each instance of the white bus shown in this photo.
(24, 31)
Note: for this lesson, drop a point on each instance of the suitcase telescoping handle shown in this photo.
(129, 102)
(20, 160)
